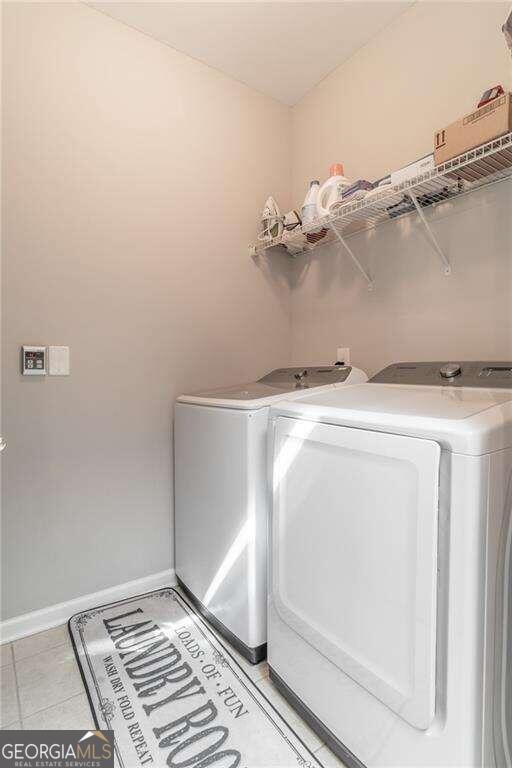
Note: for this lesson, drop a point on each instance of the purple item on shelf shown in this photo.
(357, 186)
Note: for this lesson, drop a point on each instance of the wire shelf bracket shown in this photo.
(352, 255)
(447, 269)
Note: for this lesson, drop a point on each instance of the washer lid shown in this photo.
(464, 419)
(282, 382)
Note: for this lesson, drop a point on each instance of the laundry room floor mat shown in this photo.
(173, 694)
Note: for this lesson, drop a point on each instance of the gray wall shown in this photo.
(133, 181)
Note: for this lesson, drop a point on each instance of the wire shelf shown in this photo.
(472, 170)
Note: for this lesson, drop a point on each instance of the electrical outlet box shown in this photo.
(58, 361)
(343, 355)
(33, 361)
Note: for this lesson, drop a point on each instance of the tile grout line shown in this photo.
(18, 699)
(57, 703)
(15, 662)
(38, 653)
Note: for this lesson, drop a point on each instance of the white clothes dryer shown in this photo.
(390, 610)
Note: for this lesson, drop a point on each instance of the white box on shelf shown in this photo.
(411, 171)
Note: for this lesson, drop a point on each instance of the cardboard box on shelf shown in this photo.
(480, 126)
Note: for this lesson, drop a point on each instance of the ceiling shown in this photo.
(282, 49)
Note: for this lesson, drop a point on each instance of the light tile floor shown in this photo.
(40, 685)
(41, 688)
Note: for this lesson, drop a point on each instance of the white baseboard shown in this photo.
(54, 615)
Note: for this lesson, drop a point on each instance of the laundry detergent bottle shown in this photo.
(309, 214)
(331, 190)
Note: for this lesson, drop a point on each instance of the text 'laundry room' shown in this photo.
(256, 384)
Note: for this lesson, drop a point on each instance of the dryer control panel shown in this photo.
(473, 373)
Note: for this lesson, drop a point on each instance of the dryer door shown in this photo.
(354, 555)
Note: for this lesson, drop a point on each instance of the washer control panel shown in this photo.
(306, 376)
(449, 374)
(33, 361)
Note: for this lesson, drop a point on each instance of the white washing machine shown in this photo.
(221, 497)
(390, 611)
